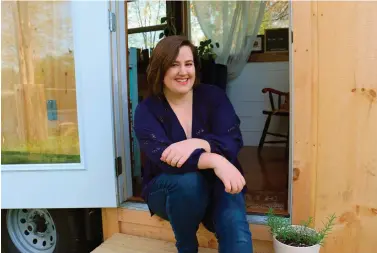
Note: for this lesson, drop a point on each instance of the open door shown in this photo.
(57, 109)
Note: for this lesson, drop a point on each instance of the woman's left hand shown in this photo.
(178, 153)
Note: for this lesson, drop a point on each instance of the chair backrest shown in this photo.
(280, 105)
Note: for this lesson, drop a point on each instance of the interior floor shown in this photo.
(266, 180)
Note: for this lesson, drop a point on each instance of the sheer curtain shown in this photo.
(234, 25)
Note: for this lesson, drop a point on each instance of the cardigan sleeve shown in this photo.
(153, 141)
(225, 137)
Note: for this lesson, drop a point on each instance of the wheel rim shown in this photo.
(32, 230)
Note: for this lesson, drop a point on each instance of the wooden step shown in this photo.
(139, 223)
(136, 244)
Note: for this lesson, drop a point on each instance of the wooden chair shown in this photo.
(281, 110)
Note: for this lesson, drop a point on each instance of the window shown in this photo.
(196, 33)
(144, 23)
(38, 92)
(276, 15)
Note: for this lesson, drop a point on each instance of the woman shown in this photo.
(190, 135)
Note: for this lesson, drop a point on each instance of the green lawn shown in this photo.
(18, 157)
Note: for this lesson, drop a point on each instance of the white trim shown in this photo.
(120, 75)
(117, 119)
(43, 167)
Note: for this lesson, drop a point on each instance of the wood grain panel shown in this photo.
(305, 103)
(136, 244)
(140, 223)
(347, 123)
(110, 223)
(335, 117)
(125, 215)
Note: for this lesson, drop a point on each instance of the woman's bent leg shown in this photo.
(228, 213)
(182, 200)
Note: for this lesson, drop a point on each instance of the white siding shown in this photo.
(246, 95)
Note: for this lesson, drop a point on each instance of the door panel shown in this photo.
(57, 118)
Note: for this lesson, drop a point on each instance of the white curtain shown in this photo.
(234, 25)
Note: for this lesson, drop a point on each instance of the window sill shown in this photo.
(269, 57)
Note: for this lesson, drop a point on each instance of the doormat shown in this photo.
(266, 200)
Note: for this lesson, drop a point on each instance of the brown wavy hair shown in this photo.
(162, 58)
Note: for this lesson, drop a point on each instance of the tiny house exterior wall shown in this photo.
(335, 120)
(334, 110)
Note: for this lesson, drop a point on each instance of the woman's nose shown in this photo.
(183, 70)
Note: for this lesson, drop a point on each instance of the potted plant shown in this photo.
(288, 238)
(211, 72)
(205, 50)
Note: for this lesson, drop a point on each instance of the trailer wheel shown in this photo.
(34, 231)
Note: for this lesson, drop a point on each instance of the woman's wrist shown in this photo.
(210, 160)
(203, 144)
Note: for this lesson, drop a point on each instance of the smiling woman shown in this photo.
(189, 133)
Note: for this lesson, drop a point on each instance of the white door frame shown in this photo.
(121, 97)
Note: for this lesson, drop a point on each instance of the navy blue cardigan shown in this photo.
(214, 119)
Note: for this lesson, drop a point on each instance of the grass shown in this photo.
(55, 149)
(19, 157)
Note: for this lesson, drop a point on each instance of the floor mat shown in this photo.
(260, 201)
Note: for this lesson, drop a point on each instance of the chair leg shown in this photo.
(264, 133)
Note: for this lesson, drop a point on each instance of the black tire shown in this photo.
(66, 241)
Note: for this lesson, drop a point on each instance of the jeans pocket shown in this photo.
(157, 203)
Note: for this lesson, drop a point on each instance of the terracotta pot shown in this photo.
(283, 248)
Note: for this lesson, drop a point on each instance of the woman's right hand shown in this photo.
(229, 175)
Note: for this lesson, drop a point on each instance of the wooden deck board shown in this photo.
(135, 244)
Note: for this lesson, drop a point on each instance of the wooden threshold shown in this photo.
(264, 211)
(250, 210)
(132, 244)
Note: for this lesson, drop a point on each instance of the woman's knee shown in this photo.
(188, 189)
(192, 187)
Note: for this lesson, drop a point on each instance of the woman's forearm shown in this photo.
(208, 161)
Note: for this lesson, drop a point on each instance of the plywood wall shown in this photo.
(335, 156)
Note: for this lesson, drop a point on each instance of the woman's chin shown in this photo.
(182, 89)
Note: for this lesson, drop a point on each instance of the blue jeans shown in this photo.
(186, 200)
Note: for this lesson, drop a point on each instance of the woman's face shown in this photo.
(180, 77)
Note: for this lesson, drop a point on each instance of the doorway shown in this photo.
(265, 156)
